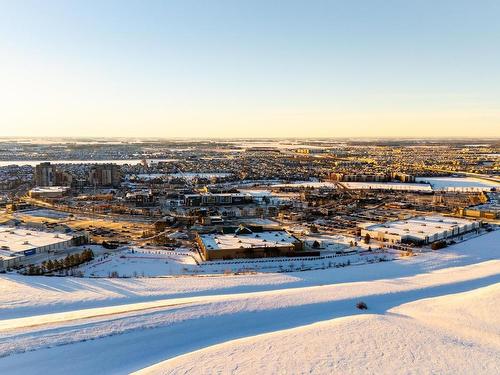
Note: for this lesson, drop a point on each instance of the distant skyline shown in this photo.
(242, 69)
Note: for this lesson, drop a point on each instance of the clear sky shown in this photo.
(250, 68)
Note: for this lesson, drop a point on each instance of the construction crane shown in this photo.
(187, 181)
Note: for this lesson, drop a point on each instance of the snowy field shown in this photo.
(367, 343)
(50, 214)
(192, 175)
(387, 186)
(425, 184)
(151, 262)
(141, 263)
(458, 183)
(308, 184)
(433, 313)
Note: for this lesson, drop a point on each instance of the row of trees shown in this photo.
(69, 261)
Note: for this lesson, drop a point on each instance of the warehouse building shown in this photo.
(244, 242)
(217, 199)
(48, 192)
(419, 230)
(18, 245)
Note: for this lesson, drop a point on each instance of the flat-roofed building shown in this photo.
(420, 230)
(246, 243)
(18, 244)
(217, 199)
(48, 191)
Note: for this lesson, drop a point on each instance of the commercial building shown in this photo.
(482, 213)
(48, 192)
(376, 177)
(419, 230)
(244, 242)
(216, 199)
(18, 245)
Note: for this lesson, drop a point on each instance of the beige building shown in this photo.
(420, 230)
(244, 243)
(48, 192)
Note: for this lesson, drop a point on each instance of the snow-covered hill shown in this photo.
(443, 335)
(431, 313)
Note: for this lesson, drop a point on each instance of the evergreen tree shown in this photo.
(31, 270)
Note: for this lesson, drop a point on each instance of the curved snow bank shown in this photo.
(22, 296)
(473, 315)
(456, 334)
(81, 326)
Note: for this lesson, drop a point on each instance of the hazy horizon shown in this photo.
(256, 138)
(260, 69)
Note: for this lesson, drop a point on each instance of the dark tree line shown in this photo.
(69, 261)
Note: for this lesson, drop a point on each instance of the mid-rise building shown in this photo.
(108, 175)
(216, 199)
(45, 174)
(244, 242)
(374, 177)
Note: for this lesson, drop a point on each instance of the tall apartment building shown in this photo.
(63, 178)
(45, 174)
(374, 177)
(105, 175)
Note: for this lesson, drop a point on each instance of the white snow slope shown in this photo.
(433, 313)
(404, 340)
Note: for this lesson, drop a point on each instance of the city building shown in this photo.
(374, 177)
(478, 212)
(108, 175)
(419, 230)
(403, 177)
(17, 245)
(244, 242)
(63, 178)
(216, 199)
(45, 174)
(141, 198)
(48, 191)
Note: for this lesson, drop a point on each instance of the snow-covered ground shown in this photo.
(138, 262)
(191, 175)
(51, 214)
(433, 313)
(387, 186)
(156, 262)
(309, 184)
(458, 183)
(459, 339)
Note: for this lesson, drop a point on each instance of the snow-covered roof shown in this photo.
(18, 240)
(247, 241)
(419, 227)
(388, 186)
(49, 189)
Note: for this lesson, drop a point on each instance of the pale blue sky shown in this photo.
(250, 68)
